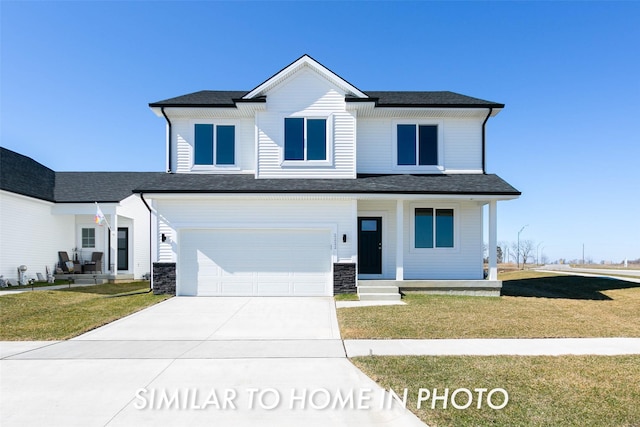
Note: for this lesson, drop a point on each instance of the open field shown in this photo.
(535, 305)
(65, 313)
(543, 391)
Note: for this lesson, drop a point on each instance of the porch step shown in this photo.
(378, 289)
(379, 297)
(372, 290)
(91, 281)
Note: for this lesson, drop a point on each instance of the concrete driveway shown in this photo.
(198, 361)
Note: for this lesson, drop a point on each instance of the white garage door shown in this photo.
(260, 262)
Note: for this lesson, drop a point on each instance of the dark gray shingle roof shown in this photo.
(81, 187)
(425, 99)
(22, 175)
(221, 98)
(487, 184)
(207, 98)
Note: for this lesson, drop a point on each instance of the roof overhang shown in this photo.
(289, 70)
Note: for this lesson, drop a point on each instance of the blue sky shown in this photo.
(76, 78)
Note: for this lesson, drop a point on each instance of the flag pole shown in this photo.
(100, 216)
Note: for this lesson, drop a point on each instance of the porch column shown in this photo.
(493, 240)
(400, 240)
(114, 243)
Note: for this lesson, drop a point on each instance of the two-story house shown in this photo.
(306, 185)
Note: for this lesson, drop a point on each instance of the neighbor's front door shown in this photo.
(370, 245)
(123, 248)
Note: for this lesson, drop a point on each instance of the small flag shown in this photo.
(100, 219)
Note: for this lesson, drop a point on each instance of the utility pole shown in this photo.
(583, 254)
(518, 254)
(538, 253)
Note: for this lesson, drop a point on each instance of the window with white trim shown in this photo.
(434, 228)
(214, 145)
(88, 237)
(305, 139)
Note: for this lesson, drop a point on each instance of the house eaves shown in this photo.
(459, 184)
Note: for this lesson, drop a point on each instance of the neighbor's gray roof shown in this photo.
(102, 187)
(218, 98)
(22, 175)
(487, 184)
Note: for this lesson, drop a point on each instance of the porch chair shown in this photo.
(67, 265)
(95, 264)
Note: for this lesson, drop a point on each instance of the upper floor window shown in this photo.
(88, 237)
(417, 145)
(305, 138)
(433, 228)
(214, 144)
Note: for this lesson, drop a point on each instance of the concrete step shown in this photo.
(377, 283)
(377, 289)
(379, 297)
(90, 281)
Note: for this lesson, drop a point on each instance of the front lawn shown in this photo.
(66, 313)
(536, 305)
(543, 391)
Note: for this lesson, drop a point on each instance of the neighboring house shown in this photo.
(43, 212)
(306, 185)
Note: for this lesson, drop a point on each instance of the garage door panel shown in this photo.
(255, 262)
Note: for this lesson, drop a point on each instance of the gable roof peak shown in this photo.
(304, 61)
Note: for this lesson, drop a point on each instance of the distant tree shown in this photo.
(523, 251)
(499, 254)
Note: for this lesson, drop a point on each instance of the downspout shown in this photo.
(150, 244)
(484, 170)
(169, 166)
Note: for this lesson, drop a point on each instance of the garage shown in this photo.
(254, 262)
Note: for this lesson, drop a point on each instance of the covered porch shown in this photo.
(106, 250)
(427, 244)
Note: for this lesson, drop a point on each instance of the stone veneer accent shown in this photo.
(164, 278)
(344, 278)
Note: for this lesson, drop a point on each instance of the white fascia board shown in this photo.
(83, 208)
(298, 64)
(485, 198)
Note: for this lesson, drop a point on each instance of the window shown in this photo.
(305, 139)
(88, 237)
(214, 144)
(417, 145)
(433, 228)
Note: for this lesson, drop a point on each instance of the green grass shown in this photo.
(543, 391)
(66, 313)
(537, 305)
(346, 297)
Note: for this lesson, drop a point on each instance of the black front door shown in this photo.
(123, 248)
(370, 245)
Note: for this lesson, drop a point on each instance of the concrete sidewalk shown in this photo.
(494, 347)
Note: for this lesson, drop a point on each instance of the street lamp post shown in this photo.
(538, 253)
(518, 254)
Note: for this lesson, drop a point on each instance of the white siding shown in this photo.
(31, 235)
(205, 212)
(183, 143)
(462, 144)
(306, 94)
(464, 262)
